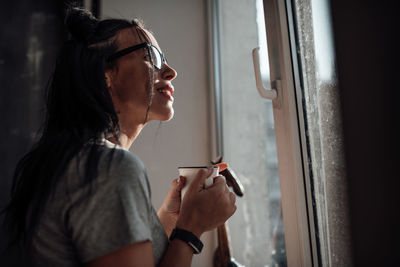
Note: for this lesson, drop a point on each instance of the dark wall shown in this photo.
(30, 36)
(365, 33)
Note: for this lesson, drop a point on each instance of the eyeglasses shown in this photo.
(156, 56)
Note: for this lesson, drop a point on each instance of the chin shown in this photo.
(169, 116)
(164, 116)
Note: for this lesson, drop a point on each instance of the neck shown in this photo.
(128, 135)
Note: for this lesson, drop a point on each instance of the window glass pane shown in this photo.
(256, 230)
(321, 109)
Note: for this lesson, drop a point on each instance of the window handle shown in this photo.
(272, 91)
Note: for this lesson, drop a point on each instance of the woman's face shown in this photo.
(130, 82)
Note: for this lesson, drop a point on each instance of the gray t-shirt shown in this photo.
(82, 223)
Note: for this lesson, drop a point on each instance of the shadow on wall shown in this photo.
(365, 41)
(30, 37)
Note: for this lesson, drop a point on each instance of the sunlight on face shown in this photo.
(135, 83)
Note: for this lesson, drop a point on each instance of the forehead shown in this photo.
(130, 37)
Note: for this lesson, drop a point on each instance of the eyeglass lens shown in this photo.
(157, 57)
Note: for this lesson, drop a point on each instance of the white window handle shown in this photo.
(269, 93)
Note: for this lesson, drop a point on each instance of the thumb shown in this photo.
(176, 186)
(180, 183)
(198, 182)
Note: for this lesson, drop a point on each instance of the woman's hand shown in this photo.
(205, 209)
(170, 208)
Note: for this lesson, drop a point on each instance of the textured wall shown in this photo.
(30, 36)
(366, 44)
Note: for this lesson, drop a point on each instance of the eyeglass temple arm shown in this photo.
(125, 51)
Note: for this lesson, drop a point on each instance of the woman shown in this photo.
(79, 196)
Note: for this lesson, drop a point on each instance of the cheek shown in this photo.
(133, 86)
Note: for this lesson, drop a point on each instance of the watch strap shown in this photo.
(189, 238)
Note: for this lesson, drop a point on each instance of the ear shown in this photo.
(108, 76)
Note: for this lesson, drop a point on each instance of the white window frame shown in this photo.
(294, 179)
(289, 129)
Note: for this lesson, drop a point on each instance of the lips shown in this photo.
(166, 91)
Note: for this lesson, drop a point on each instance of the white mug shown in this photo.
(190, 173)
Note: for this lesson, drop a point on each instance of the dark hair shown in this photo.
(80, 113)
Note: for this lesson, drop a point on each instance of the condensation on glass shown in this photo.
(324, 130)
(256, 230)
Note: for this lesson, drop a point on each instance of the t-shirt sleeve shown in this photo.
(115, 212)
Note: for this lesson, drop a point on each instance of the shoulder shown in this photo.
(111, 166)
(117, 165)
(119, 160)
(124, 172)
(122, 160)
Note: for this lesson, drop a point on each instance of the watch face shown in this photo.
(195, 249)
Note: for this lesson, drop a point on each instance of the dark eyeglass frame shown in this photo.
(130, 49)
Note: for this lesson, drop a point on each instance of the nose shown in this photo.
(168, 73)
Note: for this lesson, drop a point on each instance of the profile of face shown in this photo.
(130, 82)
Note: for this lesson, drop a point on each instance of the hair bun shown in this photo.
(81, 23)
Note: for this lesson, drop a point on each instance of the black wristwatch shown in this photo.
(189, 238)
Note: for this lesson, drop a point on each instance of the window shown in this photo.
(288, 152)
(321, 128)
(248, 137)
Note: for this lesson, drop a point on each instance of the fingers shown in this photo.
(232, 197)
(213, 205)
(176, 186)
(220, 184)
(180, 182)
(219, 179)
(199, 180)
